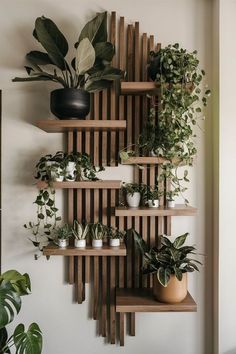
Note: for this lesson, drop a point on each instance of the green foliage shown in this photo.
(131, 188)
(169, 258)
(151, 192)
(12, 286)
(98, 231)
(80, 231)
(63, 232)
(114, 233)
(91, 65)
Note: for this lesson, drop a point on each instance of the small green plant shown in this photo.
(98, 231)
(152, 193)
(114, 233)
(80, 231)
(170, 195)
(84, 167)
(47, 167)
(13, 285)
(169, 258)
(90, 69)
(131, 188)
(63, 232)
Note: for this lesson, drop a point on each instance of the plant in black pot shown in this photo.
(89, 71)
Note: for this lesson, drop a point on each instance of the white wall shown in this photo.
(227, 148)
(66, 327)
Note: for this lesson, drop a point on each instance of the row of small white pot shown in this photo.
(133, 201)
(58, 175)
(113, 242)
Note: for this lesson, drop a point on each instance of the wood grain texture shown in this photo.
(95, 287)
(100, 184)
(178, 210)
(142, 300)
(70, 199)
(113, 97)
(106, 250)
(61, 126)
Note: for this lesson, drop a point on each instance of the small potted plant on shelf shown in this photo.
(115, 236)
(90, 69)
(80, 233)
(62, 235)
(98, 232)
(133, 192)
(151, 196)
(170, 198)
(169, 265)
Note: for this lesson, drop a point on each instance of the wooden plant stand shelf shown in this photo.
(100, 184)
(178, 210)
(143, 88)
(60, 126)
(106, 250)
(149, 160)
(142, 300)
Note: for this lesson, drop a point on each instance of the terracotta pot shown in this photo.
(175, 292)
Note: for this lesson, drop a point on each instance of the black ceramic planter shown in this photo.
(70, 103)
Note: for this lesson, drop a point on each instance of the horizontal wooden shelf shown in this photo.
(142, 88)
(142, 300)
(106, 250)
(100, 184)
(149, 160)
(178, 210)
(60, 126)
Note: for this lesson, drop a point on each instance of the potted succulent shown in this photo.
(62, 235)
(98, 232)
(170, 198)
(152, 195)
(13, 286)
(133, 192)
(169, 265)
(80, 233)
(114, 235)
(90, 69)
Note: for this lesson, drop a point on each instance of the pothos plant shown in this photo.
(90, 69)
(13, 285)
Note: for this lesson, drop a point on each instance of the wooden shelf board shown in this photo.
(106, 250)
(142, 300)
(148, 160)
(100, 184)
(142, 88)
(59, 126)
(178, 210)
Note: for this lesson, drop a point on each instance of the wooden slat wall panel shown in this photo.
(113, 108)
(70, 144)
(122, 67)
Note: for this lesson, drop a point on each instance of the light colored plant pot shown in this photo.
(170, 203)
(97, 243)
(114, 242)
(174, 292)
(70, 178)
(57, 175)
(70, 167)
(153, 203)
(63, 243)
(80, 243)
(153, 154)
(133, 201)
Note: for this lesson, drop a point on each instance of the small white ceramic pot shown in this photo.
(114, 242)
(153, 203)
(97, 243)
(63, 243)
(133, 201)
(57, 175)
(70, 167)
(70, 178)
(153, 154)
(80, 243)
(170, 203)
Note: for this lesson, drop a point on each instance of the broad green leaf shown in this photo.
(39, 58)
(109, 73)
(178, 273)
(179, 241)
(28, 342)
(165, 241)
(163, 276)
(32, 78)
(92, 86)
(10, 303)
(96, 29)
(85, 57)
(138, 240)
(52, 40)
(20, 283)
(3, 341)
(104, 51)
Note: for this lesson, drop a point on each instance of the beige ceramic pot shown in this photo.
(175, 292)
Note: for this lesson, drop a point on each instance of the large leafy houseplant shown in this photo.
(13, 285)
(90, 70)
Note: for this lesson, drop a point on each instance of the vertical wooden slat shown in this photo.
(71, 211)
(122, 67)
(137, 78)
(113, 91)
(104, 134)
(95, 286)
(129, 78)
(96, 133)
(79, 280)
(104, 297)
(112, 301)
(87, 259)
(122, 329)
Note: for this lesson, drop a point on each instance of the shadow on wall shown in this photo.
(232, 351)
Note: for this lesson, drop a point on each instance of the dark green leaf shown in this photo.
(38, 58)
(179, 241)
(10, 302)
(96, 29)
(163, 276)
(28, 342)
(41, 216)
(3, 340)
(104, 51)
(92, 86)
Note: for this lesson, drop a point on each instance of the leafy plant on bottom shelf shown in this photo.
(151, 193)
(98, 231)
(13, 285)
(80, 231)
(170, 258)
(114, 233)
(131, 188)
(90, 69)
(63, 232)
